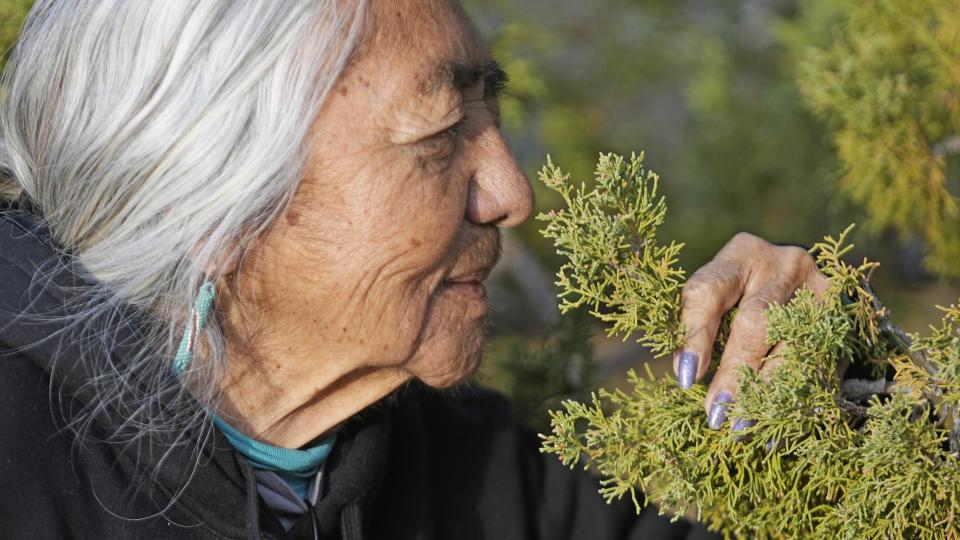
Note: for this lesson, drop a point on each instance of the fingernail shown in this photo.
(740, 425)
(718, 411)
(687, 369)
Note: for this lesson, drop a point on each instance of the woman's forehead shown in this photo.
(431, 34)
(416, 59)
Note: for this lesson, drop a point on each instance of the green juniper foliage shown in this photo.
(887, 82)
(826, 458)
(615, 261)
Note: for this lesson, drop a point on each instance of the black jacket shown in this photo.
(421, 464)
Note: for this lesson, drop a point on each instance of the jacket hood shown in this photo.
(33, 297)
(208, 480)
(37, 281)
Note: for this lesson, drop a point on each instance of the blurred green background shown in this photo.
(766, 116)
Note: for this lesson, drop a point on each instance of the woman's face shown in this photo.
(380, 258)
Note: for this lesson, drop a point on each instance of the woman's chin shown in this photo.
(450, 345)
(442, 365)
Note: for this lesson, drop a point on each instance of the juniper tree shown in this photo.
(827, 457)
(887, 83)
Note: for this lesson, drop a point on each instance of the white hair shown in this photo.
(158, 140)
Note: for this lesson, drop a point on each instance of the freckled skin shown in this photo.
(347, 291)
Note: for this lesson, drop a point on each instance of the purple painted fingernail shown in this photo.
(740, 425)
(687, 369)
(718, 411)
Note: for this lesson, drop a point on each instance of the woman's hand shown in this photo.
(749, 273)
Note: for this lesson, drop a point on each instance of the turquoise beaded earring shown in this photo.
(198, 318)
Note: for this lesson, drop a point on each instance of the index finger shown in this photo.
(709, 293)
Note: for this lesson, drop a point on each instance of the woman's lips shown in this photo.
(470, 286)
(471, 289)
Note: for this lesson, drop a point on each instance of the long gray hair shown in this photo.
(158, 140)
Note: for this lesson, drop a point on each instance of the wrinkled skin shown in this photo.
(372, 275)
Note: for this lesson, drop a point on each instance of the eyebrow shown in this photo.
(460, 76)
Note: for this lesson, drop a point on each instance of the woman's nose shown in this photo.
(500, 194)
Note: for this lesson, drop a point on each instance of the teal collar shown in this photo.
(296, 467)
(300, 463)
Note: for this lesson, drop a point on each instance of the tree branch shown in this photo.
(950, 145)
(894, 335)
(852, 407)
(860, 389)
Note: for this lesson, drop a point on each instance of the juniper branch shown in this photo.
(826, 457)
(859, 389)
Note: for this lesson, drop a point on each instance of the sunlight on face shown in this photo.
(381, 257)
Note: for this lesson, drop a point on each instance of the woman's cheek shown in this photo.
(432, 229)
(400, 321)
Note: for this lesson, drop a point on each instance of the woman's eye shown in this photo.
(452, 132)
(444, 143)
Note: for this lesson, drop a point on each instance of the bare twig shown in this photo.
(859, 389)
(955, 430)
(950, 145)
(897, 337)
(852, 407)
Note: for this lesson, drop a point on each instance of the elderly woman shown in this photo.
(242, 244)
